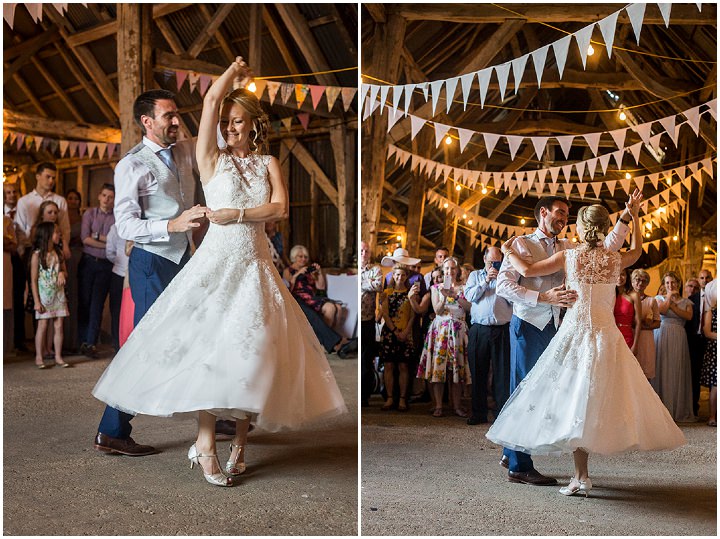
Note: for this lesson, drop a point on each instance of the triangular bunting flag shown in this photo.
(440, 131)
(393, 116)
(583, 37)
(565, 143)
(567, 172)
(567, 187)
(514, 142)
(607, 28)
(272, 88)
(425, 87)
(82, 148)
(618, 156)
(626, 185)
(260, 86)
(539, 56)
(639, 181)
(397, 93)
(101, 148)
(415, 126)
(35, 11)
(286, 90)
(383, 97)
(465, 136)
(111, 148)
(73, 148)
(635, 150)
(580, 167)
(490, 142)
(9, 14)
(712, 108)
(408, 90)
(693, 116)
(618, 136)
(591, 166)
(654, 179)
(611, 186)
(316, 93)
(466, 83)
(518, 67)
(502, 71)
(348, 94)
(450, 86)
(636, 12)
(665, 12)
(554, 171)
(582, 187)
(331, 94)
(436, 87)
(484, 81)
(64, 145)
(301, 92)
(655, 141)
(593, 141)
(92, 147)
(604, 160)
(180, 77)
(553, 187)
(560, 48)
(539, 144)
(205, 81)
(644, 131)
(669, 126)
(597, 187)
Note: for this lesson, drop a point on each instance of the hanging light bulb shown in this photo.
(445, 205)
(591, 51)
(464, 215)
(707, 248)
(522, 221)
(622, 116)
(484, 190)
(470, 222)
(448, 140)
(669, 180)
(648, 226)
(399, 237)
(675, 238)
(574, 239)
(458, 187)
(662, 209)
(628, 176)
(252, 87)
(647, 234)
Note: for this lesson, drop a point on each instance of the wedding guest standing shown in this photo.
(19, 272)
(74, 204)
(709, 371)
(627, 312)
(650, 320)
(489, 337)
(673, 382)
(370, 286)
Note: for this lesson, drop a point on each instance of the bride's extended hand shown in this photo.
(223, 216)
(243, 73)
(633, 204)
(507, 245)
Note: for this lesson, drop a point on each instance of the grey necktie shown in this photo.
(549, 246)
(166, 157)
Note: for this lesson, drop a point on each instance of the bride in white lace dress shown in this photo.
(587, 392)
(226, 338)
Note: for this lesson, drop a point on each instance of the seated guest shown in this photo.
(672, 380)
(305, 280)
(627, 312)
(332, 341)
(650, 320)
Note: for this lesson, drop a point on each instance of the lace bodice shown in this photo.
(238, 183)
(592, 266)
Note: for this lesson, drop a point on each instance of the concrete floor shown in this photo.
(438, 476)
(55, 483)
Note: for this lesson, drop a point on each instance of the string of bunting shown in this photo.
(66, 148)
(291, 95)
(669, 125)
(35, 10)
(432, 89)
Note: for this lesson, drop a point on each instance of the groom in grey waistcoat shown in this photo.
(537, 302)
(155, 191)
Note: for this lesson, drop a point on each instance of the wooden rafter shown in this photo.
(52, 83)
(308, 162)
(210, 28)
(285, 50)
(32, 124)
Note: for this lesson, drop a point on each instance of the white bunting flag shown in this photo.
(583, 37)
(393, 116)
(392, 150)
(693, 116)
(514, 143)
(450, 86)
(639, 181)
(408, 89)
(567, 172)
(644, 131)
(636, 12)
(560, 48)
(712, 108)
(466, 83)
(626, 185)
(591, 166)
(665, 12)
(654, 179)
(374, 89)
(618, 136)
(554, 171)
(593, 141)
(597, 187)
(607, 28)
(539, 56)
(542, 174)
(397, 93)
(363, 91)
(484, 81)
(436, 87)
(415, 126)
(580, 167)
(554, 188)
(539, 144)
(490, 142)
(567, 187)
(655, 141)
(604, 160)
(669, 126)
(425, 87)
(618, 156)
(582, 188)
(635, 150)
(465, 136)
(518, 67)
(502, 71)
(440, 131)
(383, 97)
(611, 186)
(565, 143)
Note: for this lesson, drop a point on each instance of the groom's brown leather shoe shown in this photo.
(128, 447)
(533, 477)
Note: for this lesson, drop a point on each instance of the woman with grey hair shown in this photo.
(650, 320)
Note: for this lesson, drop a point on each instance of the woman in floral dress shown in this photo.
(444, 355)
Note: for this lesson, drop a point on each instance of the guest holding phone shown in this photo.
(488, 339)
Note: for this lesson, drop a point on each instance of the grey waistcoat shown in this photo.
(169, 201)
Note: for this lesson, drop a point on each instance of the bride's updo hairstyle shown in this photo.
(261, 124)
(595, 220)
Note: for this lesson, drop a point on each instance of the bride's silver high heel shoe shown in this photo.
(233, 467)
(219, 479)
(577, 487)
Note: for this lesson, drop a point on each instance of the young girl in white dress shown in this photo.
(587, 392)
(226, 338)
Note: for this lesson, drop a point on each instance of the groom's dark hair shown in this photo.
(145, 104)
(547, 203)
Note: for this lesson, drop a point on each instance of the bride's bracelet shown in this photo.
(241, 215)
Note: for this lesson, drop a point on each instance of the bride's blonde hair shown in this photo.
(595, 220)
(261, 124)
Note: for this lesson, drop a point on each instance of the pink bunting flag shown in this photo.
(92, 147)
(35, 11)
(82, 148)
(73, 148)
(9, 14)
(304, 118)
(111, 148)
(193, 79)
(347, 96)
(205, 81)
(316, 93)
(20, 140)
(101, 149)
(180, 77)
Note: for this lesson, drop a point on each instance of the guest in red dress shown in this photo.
(627, 312)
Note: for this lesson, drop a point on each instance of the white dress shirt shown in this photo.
(518, 289)
(710, 299)
(134, 180)
(115, 252)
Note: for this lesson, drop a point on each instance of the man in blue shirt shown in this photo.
(489, 337)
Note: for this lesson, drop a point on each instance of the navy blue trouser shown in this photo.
(93, 288)
(489, 345)
(149, 276)
(527, 343)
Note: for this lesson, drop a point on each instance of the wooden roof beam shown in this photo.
(36, 125)
(170, 36)
(306, 42)
(211, 27)
(25, 89)
(308, 162)
(281, 44)
(552, 13)
(31, 45)
(377, 12)
(57, 89)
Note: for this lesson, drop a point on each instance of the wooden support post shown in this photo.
(416, 207)
(314, 214)
(285, 226)
(130, 84)
(256, 27)
(337, 141)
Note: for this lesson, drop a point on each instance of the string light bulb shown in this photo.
(445, 205)
(464, 215)
(662, 209)
(522, 221)
(648, 226)
(647, 234)
(252, 87)
(622, 115)
(399, 237)
(669, 180)
(470, 222)
(484, 190)
(707, 248)
(628, 176)
(591, 51)
(458, 187)
(448, 140)
(675, 238)
(574, 239)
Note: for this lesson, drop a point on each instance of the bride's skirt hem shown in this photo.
(256, 416)
(567, 447)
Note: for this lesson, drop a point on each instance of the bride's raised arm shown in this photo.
(206, 150)
(631, 256)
